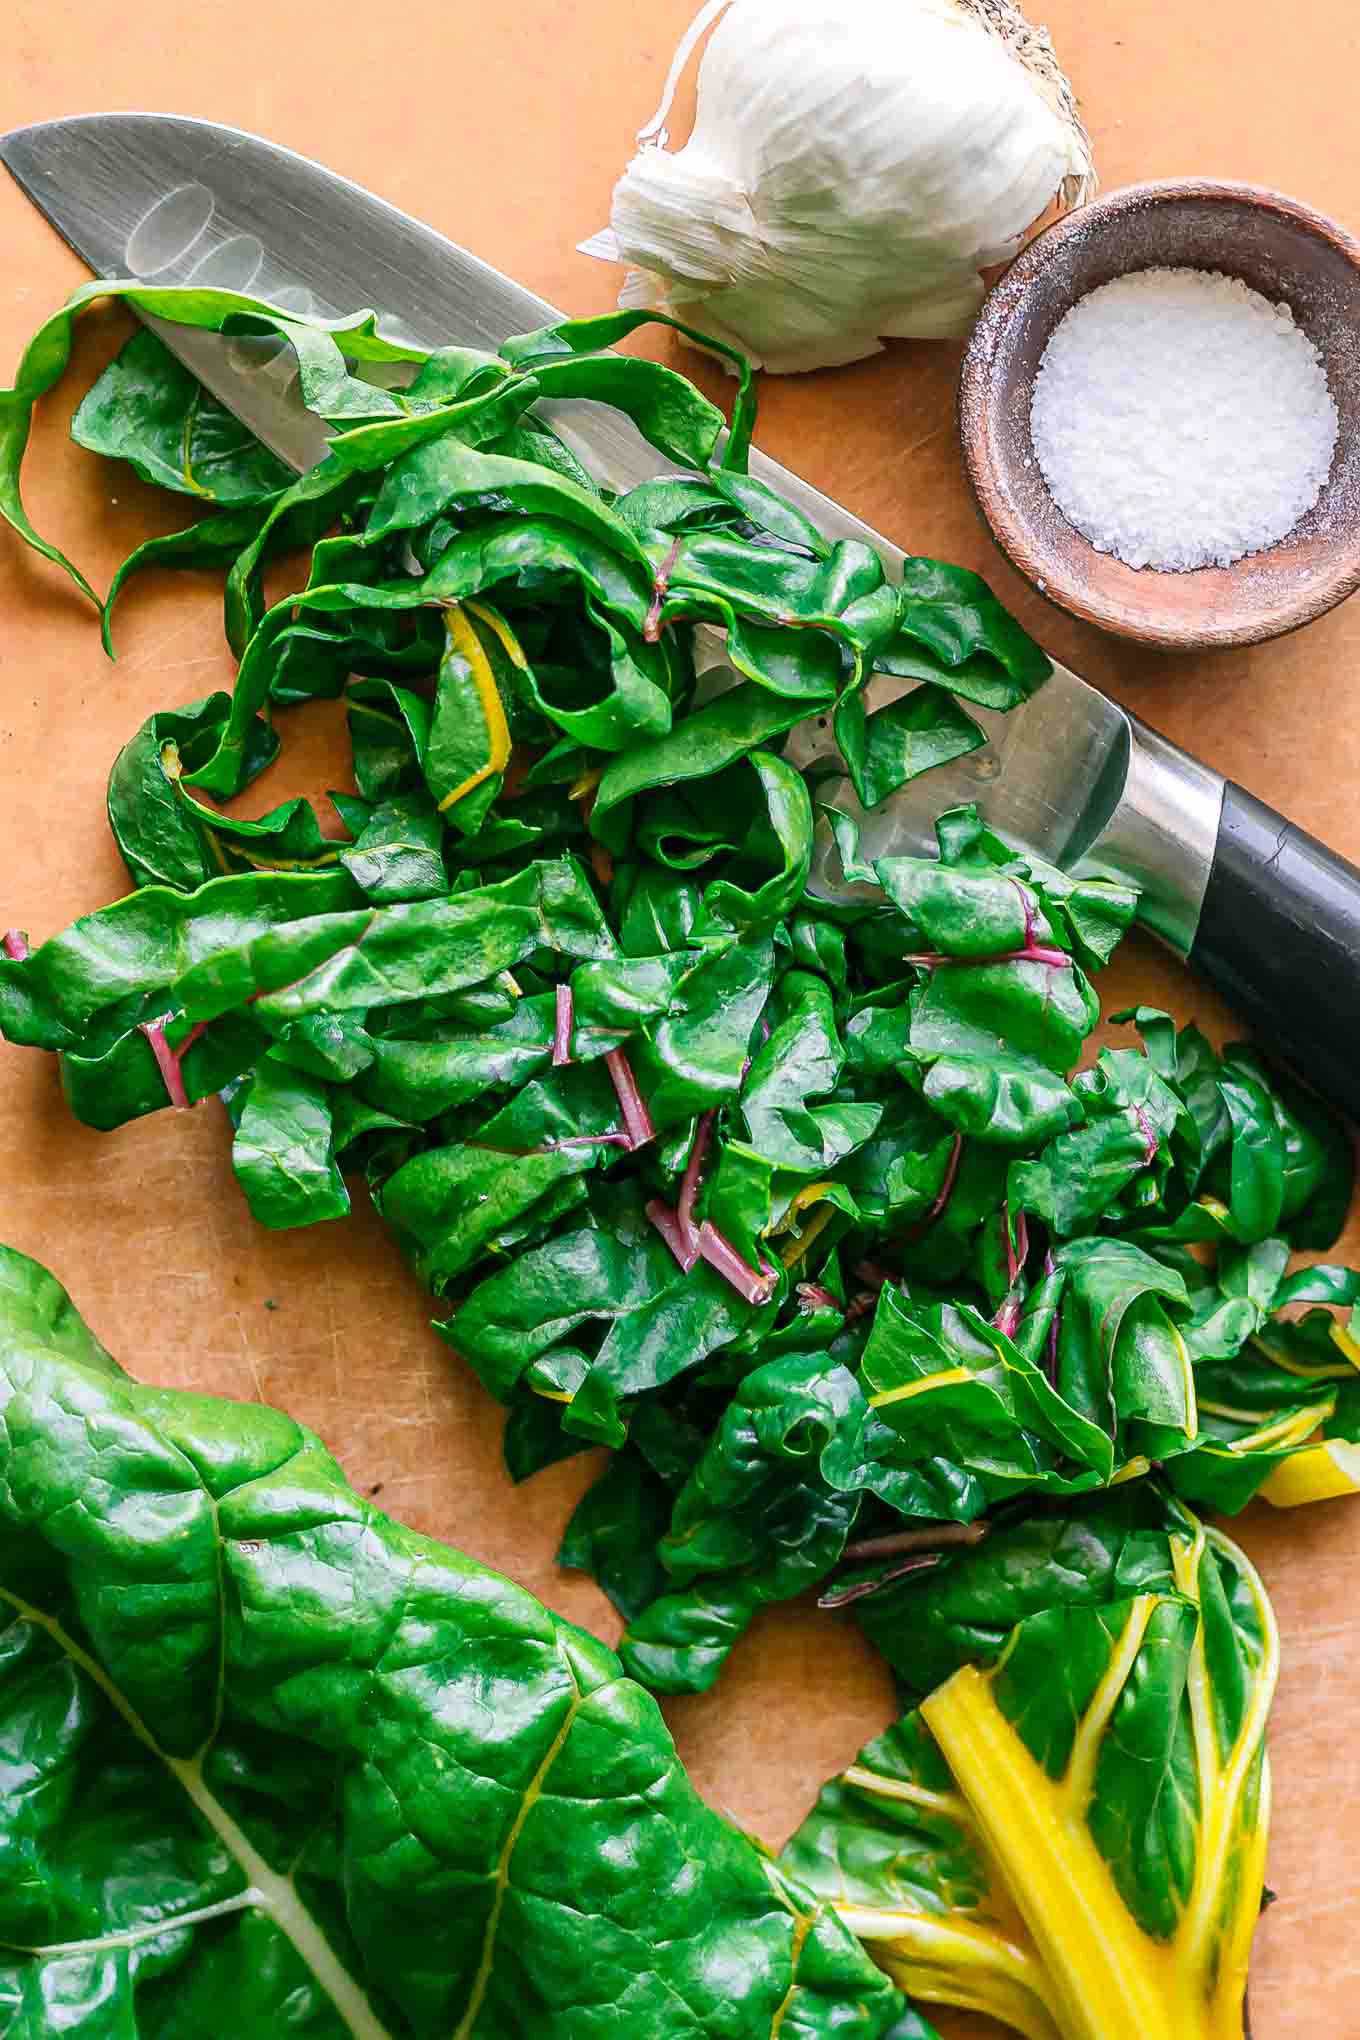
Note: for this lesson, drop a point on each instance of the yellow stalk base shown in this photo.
(1110, 1980)
(1320, 1473)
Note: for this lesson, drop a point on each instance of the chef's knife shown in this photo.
(1263, 911)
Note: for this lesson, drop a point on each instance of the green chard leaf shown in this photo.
(149, 410)
(657, 1320)
(162, 837)
(206, 309)
(754, 1523)
(258, 1758)
(950, 625)
(398, 855)
(283, 1153)
(143, 943)
(614, 1530)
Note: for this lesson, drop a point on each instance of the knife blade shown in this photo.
(1260, 907)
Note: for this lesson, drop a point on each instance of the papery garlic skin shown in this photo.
(854, 164)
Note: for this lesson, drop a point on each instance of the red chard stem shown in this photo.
(723, 1258)
(1027, 903)
(1034, 952)
(842, 1597)
(636, 1117)
(668, 1225)
(1007, 1319)
(562, 1023)
(689, 1183)
(623, 1140)
(167, 1062)
(651, 629)
(1015, 1239)
(946, 1189)
(929, 1537)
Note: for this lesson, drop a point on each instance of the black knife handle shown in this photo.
(1279, 936)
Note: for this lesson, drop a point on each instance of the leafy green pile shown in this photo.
(267, 1750)
(793, 1204)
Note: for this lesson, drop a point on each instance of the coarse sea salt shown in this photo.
(1181, 419)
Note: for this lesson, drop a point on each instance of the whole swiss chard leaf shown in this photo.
(266, 1733)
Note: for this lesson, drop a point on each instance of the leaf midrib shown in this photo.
(276, 1895)
(532, 1792)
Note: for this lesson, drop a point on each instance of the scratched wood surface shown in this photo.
(505, 127)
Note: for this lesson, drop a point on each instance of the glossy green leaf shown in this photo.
(715, 736)
(614, 1530)
(209, 310)
(283, 1153)
(447, 475)
(160, 838)
(400, 853)
(658, 1322)
(784, 833)
(1121, 1357)
(666, 408)
(802, 1061)
(754, 1523)
(952, 616)
(389, 727)
(213, 541)
(573, 337)
(145, 942)
(267, 1733)
(955, 1386)
(695, 1056)
(1131, 1115)
(1082, 1553)
(379, 956)
(921, 729)
(149, 410)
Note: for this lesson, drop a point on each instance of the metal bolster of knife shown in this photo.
(1162, 833)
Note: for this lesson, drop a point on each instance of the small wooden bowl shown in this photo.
(1277, 246)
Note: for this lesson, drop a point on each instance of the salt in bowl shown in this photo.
(1282, 249)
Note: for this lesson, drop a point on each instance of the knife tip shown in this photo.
(23, 149)
(18, 142)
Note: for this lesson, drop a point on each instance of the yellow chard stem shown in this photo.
(956, 1962)
(1318, 1473)
(1214, 1950)
(464, 640)
(1345, 1344)
(1110, 1980)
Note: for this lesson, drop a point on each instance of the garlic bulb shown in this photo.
(854, 164)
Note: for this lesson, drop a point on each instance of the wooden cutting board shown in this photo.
(505, 127)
